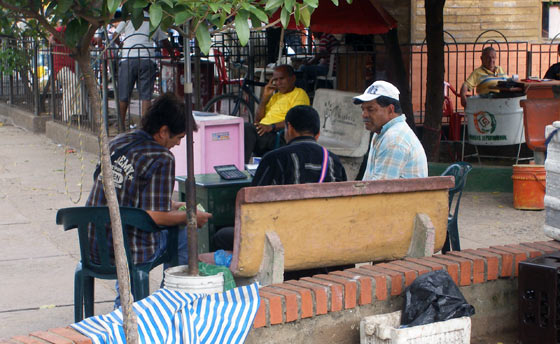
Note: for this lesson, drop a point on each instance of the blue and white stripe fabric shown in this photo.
(396, 153)
(169, 316)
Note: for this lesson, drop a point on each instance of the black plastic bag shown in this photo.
(433, 297)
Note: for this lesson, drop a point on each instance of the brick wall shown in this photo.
(292, 311)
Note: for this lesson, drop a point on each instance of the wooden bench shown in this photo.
(293, 227)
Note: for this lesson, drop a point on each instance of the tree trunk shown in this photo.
(391, 40)
(129, 317)
(434, 88)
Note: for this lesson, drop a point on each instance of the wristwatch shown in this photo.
(273, 127)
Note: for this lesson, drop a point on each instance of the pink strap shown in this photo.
(324, 166)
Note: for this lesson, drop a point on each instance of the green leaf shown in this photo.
(203, 38)
(255, 22)
(140, 4)
(63, 7)
(311, 3)
(260, 14)
(297, 15)
(289, 5)
(242, 27)
(155, 14)
(335, 2)
(227, 8)
(305, 16)
(137, 17)
(112, 6)
(285, 17)
(273, 5)
(182, 17)
(75, 30)
(214, 7)
(168, 3)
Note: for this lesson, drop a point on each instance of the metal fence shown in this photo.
(50, 81)
(19, 72)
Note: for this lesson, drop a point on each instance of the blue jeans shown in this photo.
(182, 253)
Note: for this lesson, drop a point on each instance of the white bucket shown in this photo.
(495, 121)
(177, 278)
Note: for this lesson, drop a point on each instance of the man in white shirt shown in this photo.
(137, 63)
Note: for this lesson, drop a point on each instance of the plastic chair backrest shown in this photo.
(81, 217)
(537, 114)
(459, 170)
(331, 66)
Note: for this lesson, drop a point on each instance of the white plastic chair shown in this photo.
(329, 77)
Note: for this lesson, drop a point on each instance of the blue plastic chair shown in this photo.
(459, 170)
(87, 270)
(279, 135)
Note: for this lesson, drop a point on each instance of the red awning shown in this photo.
(363, 17)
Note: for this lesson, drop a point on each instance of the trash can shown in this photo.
(539, 306)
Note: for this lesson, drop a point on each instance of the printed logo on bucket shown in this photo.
(484, 122)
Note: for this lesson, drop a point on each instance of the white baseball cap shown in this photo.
(378, 89)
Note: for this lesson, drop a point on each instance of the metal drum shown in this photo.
(495, 121)
(552, 196)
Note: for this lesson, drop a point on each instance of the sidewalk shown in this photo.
(38, 258)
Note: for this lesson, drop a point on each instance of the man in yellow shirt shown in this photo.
(279, 96)
(484, 76)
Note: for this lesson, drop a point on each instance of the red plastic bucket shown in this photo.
(529, 187)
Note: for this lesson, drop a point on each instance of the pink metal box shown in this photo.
(218, 141)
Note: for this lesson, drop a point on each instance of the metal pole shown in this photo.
(192, 233)
(36, 95)
(105, 94)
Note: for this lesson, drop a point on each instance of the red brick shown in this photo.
(381, 292)
(507, 261)
(275, 312)
(364, 285)
(50, 337)
(350, 288)
(260, 317)
(425, 262)
(409, 274)
(27, 340)
(491, 260)
(519, 256)
(465, 270)
(9, 341)
(420, 269)
(290, 303)
(335, 291)
(552, 243)
(320, 293)
(71, 334)
(452, 268)
(305, 297)
(544, 248)
(529, 251)
(396, 278)
(477, 265)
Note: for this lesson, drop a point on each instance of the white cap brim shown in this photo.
(366, 97)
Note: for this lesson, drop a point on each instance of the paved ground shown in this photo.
(38, 258)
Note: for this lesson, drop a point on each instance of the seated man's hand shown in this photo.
(202, 218)
(263, 128)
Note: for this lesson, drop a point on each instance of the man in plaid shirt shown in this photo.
(144, 175)
(395, 151)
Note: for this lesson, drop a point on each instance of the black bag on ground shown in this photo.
(433, 297)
